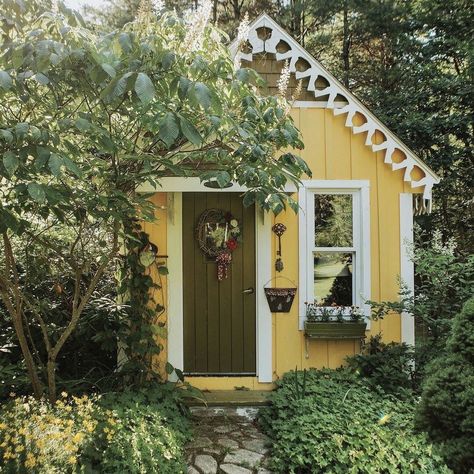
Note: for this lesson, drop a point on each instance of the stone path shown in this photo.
(227, 440)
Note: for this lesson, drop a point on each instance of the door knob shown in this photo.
(248, 291)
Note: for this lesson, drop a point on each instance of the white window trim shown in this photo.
(361, 218)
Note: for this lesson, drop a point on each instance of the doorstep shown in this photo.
(231, 398)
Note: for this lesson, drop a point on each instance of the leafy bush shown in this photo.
(331, 421)
(88, 360)
(131, 432)
(446, 410)
(389, 366)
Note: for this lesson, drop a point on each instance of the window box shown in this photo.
(335, 329)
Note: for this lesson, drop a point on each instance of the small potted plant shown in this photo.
(334, 322)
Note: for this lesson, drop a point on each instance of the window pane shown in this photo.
(333, 220)
(333, 278)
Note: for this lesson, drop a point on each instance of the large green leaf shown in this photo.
(169, 129)
(190, 131)
(5, 80)
(11, 162)
(202, 94)
(36, 191)
(144, 88)
(55, 163)
(6, 135)
(108, 69)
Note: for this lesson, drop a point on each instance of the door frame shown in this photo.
(174, 187)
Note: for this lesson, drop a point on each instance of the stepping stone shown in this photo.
(207, 464)
(228, 443)
(200, 442)
(223, 429)
(233, 469)
(245, 457)
(257, 445)
(192, 470)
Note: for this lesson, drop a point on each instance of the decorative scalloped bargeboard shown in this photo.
(346, 103)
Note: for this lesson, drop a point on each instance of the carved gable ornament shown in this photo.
(346, 103)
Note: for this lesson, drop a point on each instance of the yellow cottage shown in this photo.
(348, 243)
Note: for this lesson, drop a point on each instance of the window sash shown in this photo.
(361, 248)
(354, 249)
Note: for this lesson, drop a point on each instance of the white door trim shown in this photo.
(175, 284)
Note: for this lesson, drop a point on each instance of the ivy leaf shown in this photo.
(147, 258)
(169, 368)
(144, 88)
(36, 191)
(11, 162)
(5, 80)
(162, 270)
(169, 130)
(190, 131)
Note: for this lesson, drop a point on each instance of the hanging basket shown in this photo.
(280, 300)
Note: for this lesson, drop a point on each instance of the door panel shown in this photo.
(219, 320)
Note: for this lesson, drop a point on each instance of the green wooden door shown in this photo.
(219, 317)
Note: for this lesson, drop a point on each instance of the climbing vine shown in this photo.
(141, 290)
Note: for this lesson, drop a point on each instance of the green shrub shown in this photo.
(133, 432)
(446, 410)
(389, 366)
(334, 422)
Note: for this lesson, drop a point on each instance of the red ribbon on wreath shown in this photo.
(223, 260)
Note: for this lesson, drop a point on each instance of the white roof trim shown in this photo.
(335, 88)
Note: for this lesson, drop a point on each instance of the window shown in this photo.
(334, 243)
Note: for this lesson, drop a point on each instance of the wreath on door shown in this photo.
(218, 233)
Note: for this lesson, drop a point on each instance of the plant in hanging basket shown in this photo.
(280, 299)
(334, 322)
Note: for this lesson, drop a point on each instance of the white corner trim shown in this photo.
(264, 316)
(336, 95)
(361, 219)
(263, 270)
(407, 268)
(174, 235)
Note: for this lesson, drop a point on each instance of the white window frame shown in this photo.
(360, 190)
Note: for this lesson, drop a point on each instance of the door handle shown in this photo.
(248, 291)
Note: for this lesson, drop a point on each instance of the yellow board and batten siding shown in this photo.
(334, 153)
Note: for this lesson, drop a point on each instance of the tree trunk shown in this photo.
(51, 370)
(346, 41)
(30, 364)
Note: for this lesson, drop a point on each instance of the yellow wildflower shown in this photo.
(30, 461)
(3, 426)
(64, 394)
(72, 460)
(78, 437)
(19, 449)
(384, 419)
(109, 437)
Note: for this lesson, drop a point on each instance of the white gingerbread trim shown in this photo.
(350, 106)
